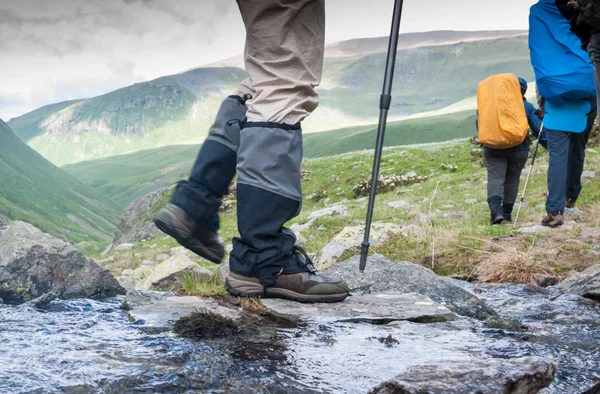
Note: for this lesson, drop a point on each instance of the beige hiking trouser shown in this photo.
(284, 51)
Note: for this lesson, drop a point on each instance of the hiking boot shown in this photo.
(570, 202)
(496, 218)
(507, 211)
(173, 221)
(308, 287)
(553, 219)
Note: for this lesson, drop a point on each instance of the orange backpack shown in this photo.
(502, 119)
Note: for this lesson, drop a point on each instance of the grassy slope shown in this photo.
(180, 108)
(34, 190)
(128, 177)
(460, 239)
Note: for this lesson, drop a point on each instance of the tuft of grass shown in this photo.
(205, 324)
(511, 265)
(193, 284)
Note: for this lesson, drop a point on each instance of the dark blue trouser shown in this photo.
(567, 156)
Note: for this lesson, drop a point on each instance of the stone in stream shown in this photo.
(170, 274)
(585, 284)
(525, 375)
(33, 263)
(379, 308)
(382, 275)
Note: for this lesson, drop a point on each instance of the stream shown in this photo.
(86, 346)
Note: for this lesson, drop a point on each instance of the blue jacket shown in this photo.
(535, 123)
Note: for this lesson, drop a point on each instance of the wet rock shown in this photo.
(504, 324)
(122, 247)
(134, 224)
(382, 275)
(590, 233)
(546, 280)
(585, 284)
(588, 174)
(534, 288)
(33, 263)
(336, 210)
(593, 390)
(169, 275)
(400, 204)
(380, 308)
(524, 375)
(351, 237)
(41, 302)
(159, 310)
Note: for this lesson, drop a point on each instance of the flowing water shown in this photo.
(86, 346)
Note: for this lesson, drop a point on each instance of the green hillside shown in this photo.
(180, 108)
(128, 177)
(405, 132)
(37, 192)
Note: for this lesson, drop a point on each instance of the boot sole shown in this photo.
(244, 288)
(553, 224)
(165, 223)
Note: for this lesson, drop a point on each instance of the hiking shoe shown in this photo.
(308, 287)
(570, 202)
(507, 211)
(173, 221)
(497, 218)
(553, 219)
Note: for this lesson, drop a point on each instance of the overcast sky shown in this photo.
(55, 50)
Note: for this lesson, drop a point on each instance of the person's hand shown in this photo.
(574, 4)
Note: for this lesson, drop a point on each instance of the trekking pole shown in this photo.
(384, 106)
(537, 144)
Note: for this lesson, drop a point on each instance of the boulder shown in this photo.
(526, 375)
(336, 210)
(352, 237)
(381, 308)
(135, 224)
(588, 174)
(170, 274)
(382, 275)
(33, 263)
(585, 284)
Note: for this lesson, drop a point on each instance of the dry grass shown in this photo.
(253, 305)
(511, 265)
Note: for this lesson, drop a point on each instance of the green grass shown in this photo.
(200, 286)
(34, 190)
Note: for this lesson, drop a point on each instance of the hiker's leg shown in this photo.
(192, 216)
(496, 163)
(594, 51)
(284, 60)
(558, 149)
(516, 162)
(576, 161)
(200, 195)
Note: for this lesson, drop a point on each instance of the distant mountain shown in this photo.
(434, 70)
(35, 191)
(128, 177)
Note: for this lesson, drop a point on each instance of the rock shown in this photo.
(573, 212)
(298, 228)
(382, 275)
(585, 284)
(169, 275)
(502, 323)
(534, 288)
(590, 232)
(128, 272)
(588, 174)
(162, 257)
(223, 271)
(336, 210)
(300, 239)
(399, 204)
(471, 201)
(410, 174)
(123, 247)
(351, 237)
(33, 263)
(546, 280)
(593, 390)
(447, 206)
(412, 230)
(456, 215)
(538, 228)
(159, 311)
(148, 263)
(180, 251)
(524, 375)
(41, 302)
(379, 308)
(134, 224)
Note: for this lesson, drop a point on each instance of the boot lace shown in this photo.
(304, 259)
